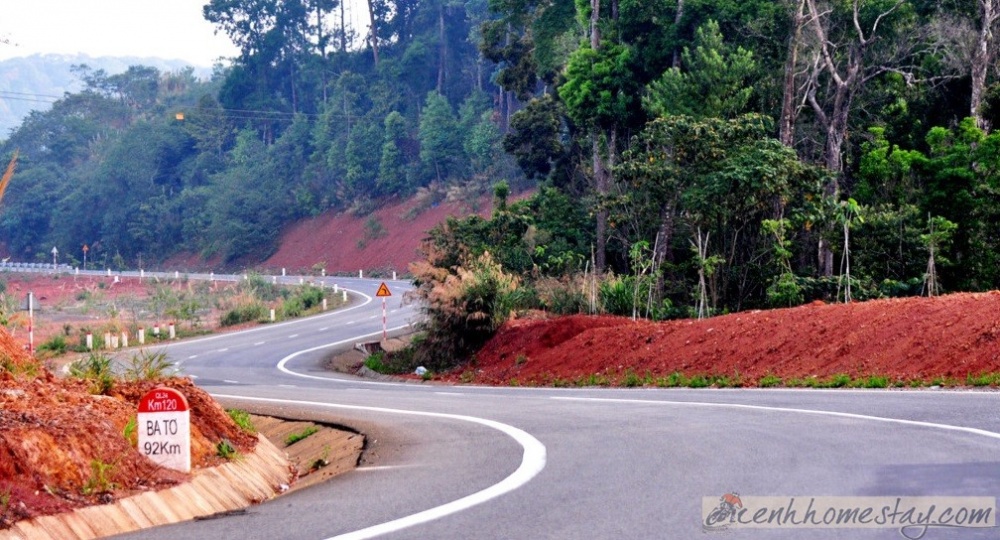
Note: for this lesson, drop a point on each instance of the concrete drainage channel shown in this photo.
(290, 454)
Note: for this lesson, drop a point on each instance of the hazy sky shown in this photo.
(168, 29)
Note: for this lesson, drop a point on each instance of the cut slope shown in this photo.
(386, 240)
(952, 336)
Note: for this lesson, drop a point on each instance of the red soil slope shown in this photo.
(948, 337)
(344, 244)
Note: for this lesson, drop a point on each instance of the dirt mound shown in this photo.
(950, 337)
(62, 447)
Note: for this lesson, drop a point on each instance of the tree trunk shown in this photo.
(661, 247)
(595, 32)
(600, 172)
(343, 29)
(374, 32)
(989, 12)
(601, 186)
(677, 22)
(443, 54)
(786, 131)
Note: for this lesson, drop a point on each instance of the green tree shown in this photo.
(714, 81)
(392, 176)
(712, 179)
(440, 145)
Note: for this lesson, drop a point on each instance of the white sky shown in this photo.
(168, 29)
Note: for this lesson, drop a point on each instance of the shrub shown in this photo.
(56, 344)
(464, 306)
(616, 295)
(562, 296)
(292, 307)
(244, 313)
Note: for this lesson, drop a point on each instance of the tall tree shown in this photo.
(983, 55)
(713, 82)
(851, 51)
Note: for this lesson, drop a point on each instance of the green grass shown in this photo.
(100, 478)
(631, 379)
(242, 419)
(226, 450)
(296, 437)
(769, 381)
(376, 363)
(983, 379)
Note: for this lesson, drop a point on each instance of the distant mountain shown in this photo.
(34, 82)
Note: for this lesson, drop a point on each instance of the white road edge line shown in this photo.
(532, 462)
(855, 416)
(281, 364)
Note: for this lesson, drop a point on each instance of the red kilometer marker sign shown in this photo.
(164, 424)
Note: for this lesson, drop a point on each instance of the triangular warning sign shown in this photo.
(383, 290)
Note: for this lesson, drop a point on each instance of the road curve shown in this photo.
(479, 462)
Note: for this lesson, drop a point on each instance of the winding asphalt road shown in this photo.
(457, 462)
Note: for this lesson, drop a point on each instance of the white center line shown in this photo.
(288, 386)
(350, 322)
(324, 329)
(192, 357)
(449, 393)
(223, 350)
(259, 343)
(293, 336)
(230, 382)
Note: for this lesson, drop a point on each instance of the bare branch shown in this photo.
(824, 42)
(881, 16)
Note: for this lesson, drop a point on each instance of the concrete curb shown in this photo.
(249, 480)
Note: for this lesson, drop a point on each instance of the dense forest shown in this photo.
(690, 157)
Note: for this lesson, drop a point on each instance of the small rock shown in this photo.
(421, 371)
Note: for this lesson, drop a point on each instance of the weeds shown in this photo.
(96, 369)
(376, 363)
(769, 381)
(873, 381)
(983, 379)
(99, 481)
(225, 450)
(839, 380)
(56, 345)
(5, 497)
(242, 419)
(296, 437)
(129, 432)
(321, 461)
(148, 366)
(631, 379)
